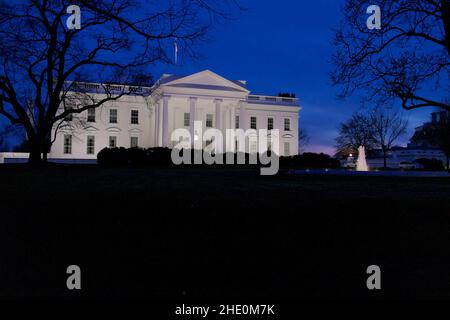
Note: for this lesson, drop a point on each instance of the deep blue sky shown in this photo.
(286, 46)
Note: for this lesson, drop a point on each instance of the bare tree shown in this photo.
(388, 125)
(303, 139)
(443, 136)
(407, 60)
(42, 59)
(3, 143)
(357, 131)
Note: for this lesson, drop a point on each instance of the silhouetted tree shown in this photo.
(387, 126)
(443, 136)
(43, 60)
(303, 139)
(3, 143)
(402, 61)
(357, 131)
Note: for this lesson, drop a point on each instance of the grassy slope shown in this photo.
(220, 233)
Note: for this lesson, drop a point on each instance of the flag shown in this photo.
(176, 51)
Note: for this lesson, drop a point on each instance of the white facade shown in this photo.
(175, 102)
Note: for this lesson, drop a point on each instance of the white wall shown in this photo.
(102, 129)
(179, 92)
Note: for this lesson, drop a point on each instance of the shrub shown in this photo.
(158, 156)
(310, 160)
(113, 156)
(136, 156)
(431, 164)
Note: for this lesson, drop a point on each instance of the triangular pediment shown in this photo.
(206, 80)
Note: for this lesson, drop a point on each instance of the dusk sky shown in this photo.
(286, 47)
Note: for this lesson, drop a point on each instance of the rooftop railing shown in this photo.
(273, 99)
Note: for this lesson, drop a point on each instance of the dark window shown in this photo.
(113, 116)
(269, 123)
(252, 122)
(134, 116)
(90, 146)
(91, 115)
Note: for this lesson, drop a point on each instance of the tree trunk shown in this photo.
(45, 148)
(446, 20)
(38, 150)
(384, 159)
(448, 162)
(35, 154)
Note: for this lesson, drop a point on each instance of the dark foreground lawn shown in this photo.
(220, 233)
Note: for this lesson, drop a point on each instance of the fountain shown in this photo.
(361, 163)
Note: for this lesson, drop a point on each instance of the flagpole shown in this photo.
(176, 51)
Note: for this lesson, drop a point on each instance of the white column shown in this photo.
(165, 120)
(218, 118)
(243, 121)
(192, 115)
(160, 124)
(218, 122)
(227, 118)
(227, 126)
(156, 129)
(233, 117)
(233, 126)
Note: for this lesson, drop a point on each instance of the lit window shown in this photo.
(287, 124)
(113, 116)
(187, 119)
(90, 146)
(134, 116)
(209, 120)
(91, 115)
(67, 144)
(134, 142)
(252, 122)
(269, 123)
(113, 142)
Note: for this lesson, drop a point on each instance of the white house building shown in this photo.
(176, 102)
(148, 118)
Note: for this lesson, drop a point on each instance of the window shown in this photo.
(287, 124)
(134, 142)
(113, 116)
(209, 120)
(113, 142)
(67, 144)
(187, 119)
(236, 122)
(269, 123)
(252, 122)
(91, 115)
(90, 145)
(287, 148)
(134, 116)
